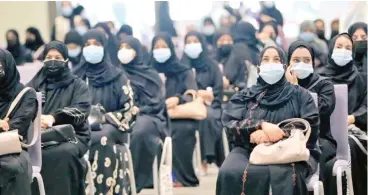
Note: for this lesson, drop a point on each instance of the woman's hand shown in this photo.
(47, 121)
(206, 95)
(226, 82)
(4, 125)
(290, 76)
(273, 131)
(259, 137)
(171, 102)
(351, 119)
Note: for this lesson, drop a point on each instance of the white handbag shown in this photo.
(165, 177)
(292, 149)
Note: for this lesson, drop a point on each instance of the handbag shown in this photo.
(57, 135)
(191, 110)
(359, 137)
(95, 118)
(11, 141)
(292, 149)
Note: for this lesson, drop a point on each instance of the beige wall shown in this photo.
(21, 15)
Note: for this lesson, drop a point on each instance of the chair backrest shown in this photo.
(339, 122)
(35, 151)
(28, 71)
(315, 98)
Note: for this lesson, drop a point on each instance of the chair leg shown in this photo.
(155, 177)
(91, 185)
(321, 188)
(316, 189)
(131, 173)
(198, 153)
(350, 182)
(225, 143)
(339, 180)
(41, 186)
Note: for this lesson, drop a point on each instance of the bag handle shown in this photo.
(35, 129)
(315, 83)
(307, 129)
(191, 92)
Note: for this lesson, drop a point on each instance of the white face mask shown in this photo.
(208, 30)
(342, 56)
(126, 55)
(93, 54)
(161, 55)
(271, 73)
(268, 4)
(74, 52)
(193, 50)
(81, 30)
(302, 70)
(66, 11)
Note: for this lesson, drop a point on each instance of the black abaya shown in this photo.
(16, 169)
(360, 58)
(357, 106)
(207, 76)
(20, 53)
(109, 87)
(66, 98)
(151, 126)
(243, 115)
(179, 78)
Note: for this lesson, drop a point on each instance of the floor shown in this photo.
(207, 185)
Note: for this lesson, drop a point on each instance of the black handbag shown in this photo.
(57, 135)
(95, 118)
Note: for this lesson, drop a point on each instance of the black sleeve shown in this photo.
(361, 114)
(190, 83)
(78, 112)
(24, 114)
(124, 118)
(326, 99)
(309, 112)
(240, 59)
(217, 88)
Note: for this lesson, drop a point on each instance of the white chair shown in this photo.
(225, 142)
(90, 190)
(166, 160)
(133, 187)
(197, 157)
(35, 151)
(339, 132)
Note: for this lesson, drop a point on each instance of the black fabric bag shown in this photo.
(57, 135)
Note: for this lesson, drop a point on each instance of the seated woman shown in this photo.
(251, 117)
(74, 42)
(151, 125)
(110, 89)
(20, 53)
(301, 63)
(210, 88)
(65, 101)
(178, 79)
(341, 70)
(16, 169)
(358, 32)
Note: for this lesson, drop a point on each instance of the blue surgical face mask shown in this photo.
(74, 52)
(193, 50)
(342, 56)
(81, 30)
(93, 54)
(271, 73)
(307, 36)
(302, 70)
(161, 55)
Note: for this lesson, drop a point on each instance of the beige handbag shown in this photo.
(191, 110)
(292, 149)
(10, 141)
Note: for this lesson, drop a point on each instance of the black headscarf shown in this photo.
(340, 74)
(10, 86)
(216, 37)
(112, 43)
(274, 13)
(34, 44)
(203, 59)
(126, 29)
(334, 32)
(87, 23)
(166, 24)
(172, 66)
(209, 38)
(60, 81)
(321, 33)
(244, 32)
(359, 59)
(15, 47)
(74, 37)
(273, 24)
(78, 10)
(98, 74)
(312, 78)
(277, 93)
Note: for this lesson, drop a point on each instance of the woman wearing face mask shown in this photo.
(64, 23)
(231, 65)
(250, 119)
(358, 32)
(66, 101)
(269, 12)
(74, 43)
(268, 34)
(82, 26)
(33, 39)
(210, 86)
(320, 30)
(151, 125)
(341, 70)
(20, 53)
(16, 169)
(109, 88)
(178, 78)
(208, 29)
(301, 64)
(112, 42)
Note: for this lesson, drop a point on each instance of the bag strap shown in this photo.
(307, 129)
(191, 92)
(360, 145)
(315, 83)
(16, 101)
